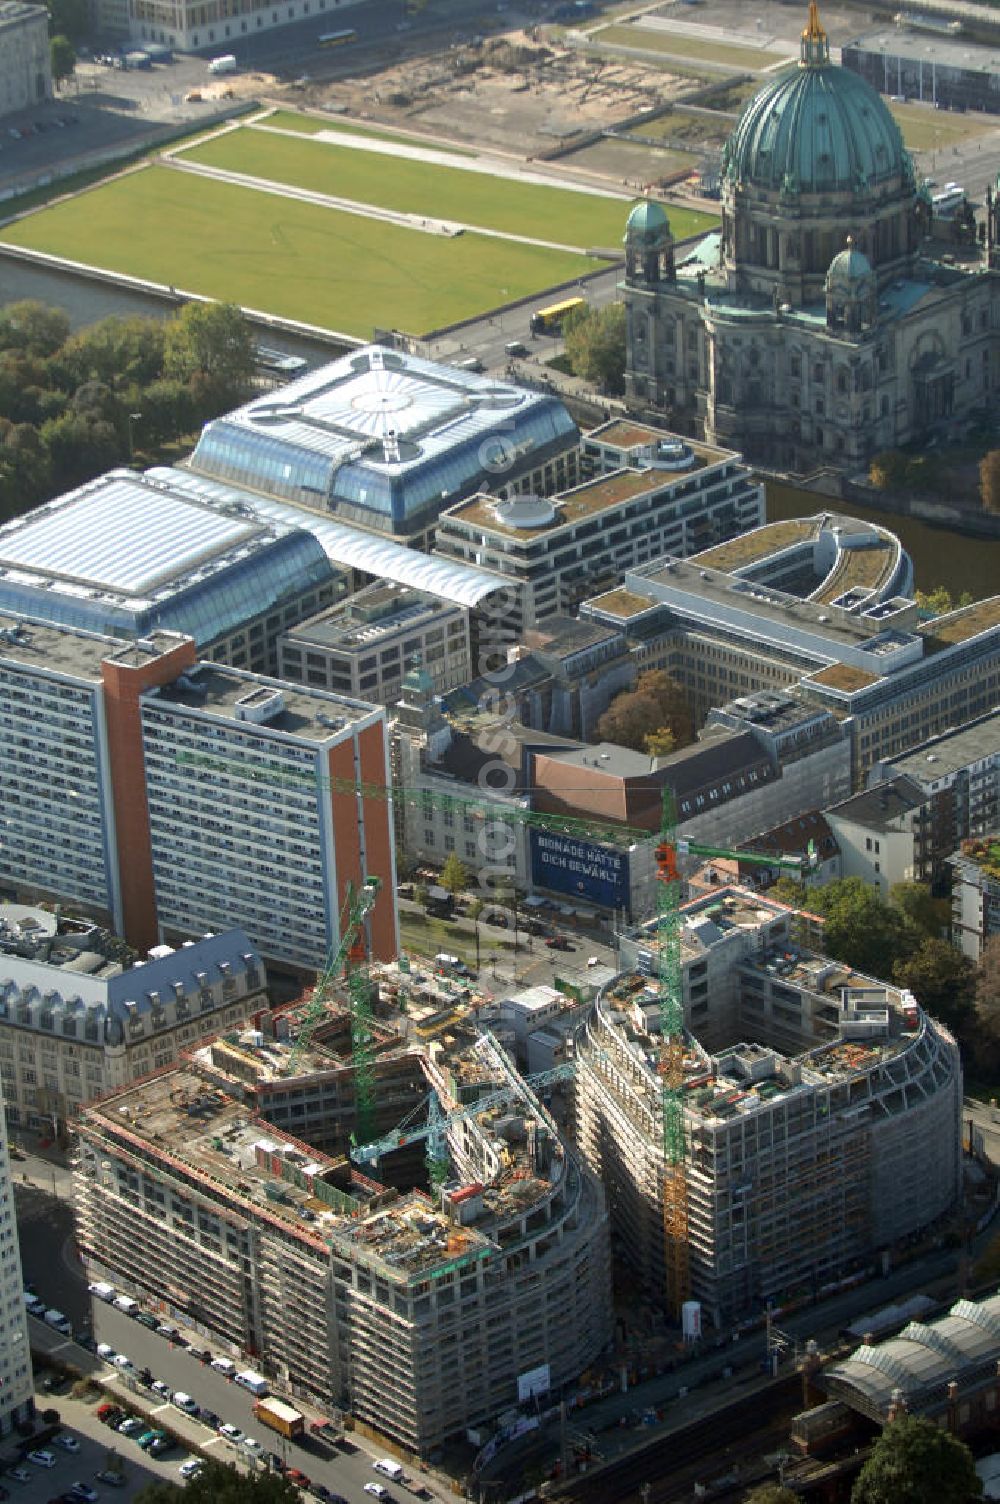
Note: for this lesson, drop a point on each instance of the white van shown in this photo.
(102, 1291)
(224, 64)
(224, 1365)
(389, 1469)
(255, 1382)
(127, 1304)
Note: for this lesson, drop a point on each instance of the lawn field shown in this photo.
(309, 125)
(927, 129)
(676, 44)
(424, 188)
(299, 260)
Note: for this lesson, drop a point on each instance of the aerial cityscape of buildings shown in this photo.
(422, 790)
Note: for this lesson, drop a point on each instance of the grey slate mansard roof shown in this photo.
(382, 438)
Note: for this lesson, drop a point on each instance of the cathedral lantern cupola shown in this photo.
(649, 245)
(851, 292)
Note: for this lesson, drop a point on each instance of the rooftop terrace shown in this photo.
(961, 625)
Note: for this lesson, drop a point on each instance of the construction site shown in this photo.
(421, 1308)
(820, 1110)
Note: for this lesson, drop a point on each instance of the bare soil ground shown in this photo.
(514, 93)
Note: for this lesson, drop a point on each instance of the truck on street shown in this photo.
(280, 1417)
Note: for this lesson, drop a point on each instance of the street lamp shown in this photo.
(132, 418)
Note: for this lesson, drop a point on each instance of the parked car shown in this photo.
(42, 1458)
(106, 1351)
(67, 1442)
(122, 1360)
(185, 1402)
(158, 1386)
(20, 1473)
(113, 1480)
(146, 1320)
(209, 1417)
(168, 1331)
(191, 1467)
(84, 1493)
(111, 1415)
(231, 1433)
(132, 1426)
(161, 1445)
(559, 942)
(201, 1353)
(298, 1478)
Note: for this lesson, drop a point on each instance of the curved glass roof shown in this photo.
(448, 579)
(382, 438)
(127, 553)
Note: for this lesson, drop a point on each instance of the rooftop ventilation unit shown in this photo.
(260, 705)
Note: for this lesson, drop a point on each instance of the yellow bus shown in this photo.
(550, 320)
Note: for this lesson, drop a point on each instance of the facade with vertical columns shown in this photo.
(820, 325)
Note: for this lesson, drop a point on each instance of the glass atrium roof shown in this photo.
(383, 438)
(126, 553)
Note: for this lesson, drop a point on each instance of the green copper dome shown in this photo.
(816, 128)
(647, 221)
(849, 265)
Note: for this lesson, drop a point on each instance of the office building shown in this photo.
(383, 441)
(365, 645)
(821, 604)
(960, 772)
(560, 678)
(816, 327)
(821, 1109)
(675, 497)
(77, 1021)
(126, 554)
(25, 62)
(421, 1314)
(975, 895)
(946, 72)
(167, 797)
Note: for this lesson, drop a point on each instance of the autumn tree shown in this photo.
(916, 1462)
(940, 601)
(989, 480)
(33, 327)
(772, 1493)
(656, 706)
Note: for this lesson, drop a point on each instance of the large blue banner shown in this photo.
(580, 869)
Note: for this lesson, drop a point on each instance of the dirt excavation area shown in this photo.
(511, 93)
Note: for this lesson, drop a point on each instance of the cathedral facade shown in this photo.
(814, 328)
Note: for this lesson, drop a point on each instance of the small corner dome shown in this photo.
(849, 265)
(647, 222)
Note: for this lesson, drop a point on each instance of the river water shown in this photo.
(940, 556)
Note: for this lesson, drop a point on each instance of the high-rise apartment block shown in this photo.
(167, 797)
(17, 1385)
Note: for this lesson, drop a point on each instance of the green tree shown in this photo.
(942, 980)
(926, 915)
(212, 341)
(916, 1462)
(454, 877)
(861, 930)
(123, 352)
(79, 448)
(989, 480)
(594, 339)
(33, 327)
(63, 57)
(220, 1483)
